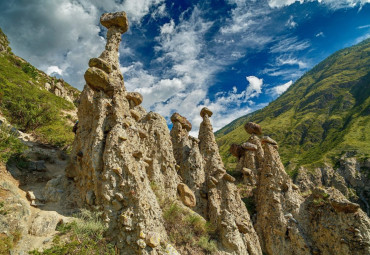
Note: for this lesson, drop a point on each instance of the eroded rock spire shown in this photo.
(226, 209)
(121, 153)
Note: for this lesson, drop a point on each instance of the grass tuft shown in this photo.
(85, 235)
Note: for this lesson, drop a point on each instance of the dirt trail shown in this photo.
(33, 192)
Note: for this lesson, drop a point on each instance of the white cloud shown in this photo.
(168, 28)
(52, 70)
(291, 23)
(320, 34)
(290, 44)
(64, 33)
(335, 4)
(281, 3)
(278, 90)
(282, 60)
(364, 26)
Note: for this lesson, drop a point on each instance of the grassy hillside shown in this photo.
(27, 105)
(321, 116)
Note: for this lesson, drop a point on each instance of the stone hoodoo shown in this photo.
(323, 222)
(120, 151)
(127, 164)
(189, 160)
(226, 210)
(250, 154)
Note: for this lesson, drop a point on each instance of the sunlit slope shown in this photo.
(321, 116)
(26, 103)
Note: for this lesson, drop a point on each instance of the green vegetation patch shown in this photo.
(28, 106)
(7, 242)
(323, 114)
(10, 145)
(189, 230)
(84, 236)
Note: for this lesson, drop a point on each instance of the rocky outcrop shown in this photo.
(4, 43)
(120, 152)
(321, 222)
(350, 178)
(61, 89)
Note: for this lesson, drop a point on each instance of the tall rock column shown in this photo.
(189, 161)
(249, 154)
(226, 209)
(120, 151)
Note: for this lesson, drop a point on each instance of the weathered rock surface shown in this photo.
(323, 222)
(350, 178)
(226, 209)
(125, 162)
(253, 128)
(189, 160)
(120, 152)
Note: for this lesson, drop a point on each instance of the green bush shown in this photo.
(30, 70)
(10, 145)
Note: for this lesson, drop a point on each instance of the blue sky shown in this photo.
(231, 56)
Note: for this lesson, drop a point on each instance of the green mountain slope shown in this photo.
(322, 115)
(28, 105)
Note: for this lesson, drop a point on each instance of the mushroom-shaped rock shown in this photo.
(182, 120)
(267, 139)
(246, 171)
(236, 150)
(186, 195)
(135, 97)
(253, 128)
(97, 78)
(117, 19)
(101, 64)
(249, 146)
(205, 111)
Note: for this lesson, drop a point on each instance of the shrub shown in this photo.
(30, 70)
(10, 145)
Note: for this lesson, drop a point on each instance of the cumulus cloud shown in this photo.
(63, 33)
(53, 70)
